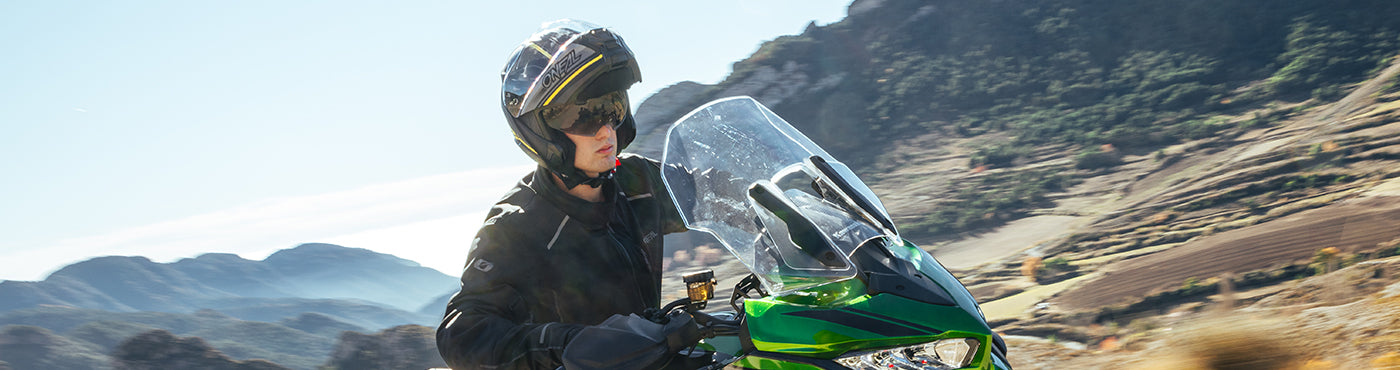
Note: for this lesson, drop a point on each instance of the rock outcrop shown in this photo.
(158, 349)
(31, 347)
(400, 347)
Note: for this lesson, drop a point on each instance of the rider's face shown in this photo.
(597, 153)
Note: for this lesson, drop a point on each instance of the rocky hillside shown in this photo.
(300, 342)
(400, 347)
(158, 349)
(290, 309)
(216, 280)
(29, 347)
(923, 97)
(1297, 326)
(1089, 165)
(1168, 236)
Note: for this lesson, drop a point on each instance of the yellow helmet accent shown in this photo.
(571, 78)
(526, 145)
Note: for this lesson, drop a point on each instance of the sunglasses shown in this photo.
(588, 116)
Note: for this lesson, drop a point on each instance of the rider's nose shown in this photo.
(605, 131)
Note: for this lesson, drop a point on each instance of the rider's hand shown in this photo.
(681, 331)
(631, 342)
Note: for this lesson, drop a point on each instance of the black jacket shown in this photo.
(546, 263)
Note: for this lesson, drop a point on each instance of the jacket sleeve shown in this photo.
(487, 324)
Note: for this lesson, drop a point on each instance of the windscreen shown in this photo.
(715, 161)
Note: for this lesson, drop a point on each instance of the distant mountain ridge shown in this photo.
(75, 338)
(302, 278)
(289, 308)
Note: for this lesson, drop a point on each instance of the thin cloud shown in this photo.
(440, 244)
(446, 208)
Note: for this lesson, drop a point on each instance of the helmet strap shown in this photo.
(598, 181)
(577, 178)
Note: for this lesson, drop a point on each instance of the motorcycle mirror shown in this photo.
(849, 193)
(800, 231)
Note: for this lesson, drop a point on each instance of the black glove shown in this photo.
(631, 342)
(681, 331)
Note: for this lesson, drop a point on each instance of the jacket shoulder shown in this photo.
(639, 175)
(513, 224)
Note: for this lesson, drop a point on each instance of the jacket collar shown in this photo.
(592, 215)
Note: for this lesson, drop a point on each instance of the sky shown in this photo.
(169, 129)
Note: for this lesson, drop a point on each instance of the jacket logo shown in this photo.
(649, 237)
(483, 265)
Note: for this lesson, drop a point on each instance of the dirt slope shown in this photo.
(1249, 201)
(1349, 319)
(1351, 226)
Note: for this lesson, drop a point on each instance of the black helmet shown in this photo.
(569, 76)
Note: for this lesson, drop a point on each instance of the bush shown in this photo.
(1095, 158)
(1058, 264)
(991, 200)
(1000, 155)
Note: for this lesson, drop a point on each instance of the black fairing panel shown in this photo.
(883, 273)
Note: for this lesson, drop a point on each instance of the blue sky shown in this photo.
(168, 129)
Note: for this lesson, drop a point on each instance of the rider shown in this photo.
(580, 238)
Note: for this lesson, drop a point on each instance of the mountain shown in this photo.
(300, 342)
(29, 347)
(400, 347)
(158, 349)
(1099, 171)
(289, 308)
(971, 117)
(293, 279)
(436, 307)
(897, 73)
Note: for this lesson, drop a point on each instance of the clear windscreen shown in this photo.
(718, 155)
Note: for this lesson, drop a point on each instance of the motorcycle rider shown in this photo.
(580, 238)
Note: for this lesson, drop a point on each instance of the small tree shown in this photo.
(1389, 248)
(1325, 260)
(1058, 264)
(1030, 266)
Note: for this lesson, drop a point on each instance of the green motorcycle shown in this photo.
(833, 285)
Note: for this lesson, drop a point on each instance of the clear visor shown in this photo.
(587, 116)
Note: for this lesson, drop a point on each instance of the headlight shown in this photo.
(940, 355)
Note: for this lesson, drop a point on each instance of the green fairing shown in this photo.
(783, 332)
(754, 362)
(786, 331)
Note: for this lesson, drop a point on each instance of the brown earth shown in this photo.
(1356, 226)
(1348, 319)
(1228, 205)
(1201, 193)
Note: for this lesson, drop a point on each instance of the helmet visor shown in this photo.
(587, 116)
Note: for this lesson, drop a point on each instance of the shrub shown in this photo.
(1094, 158)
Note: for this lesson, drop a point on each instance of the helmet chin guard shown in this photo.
(567, 66)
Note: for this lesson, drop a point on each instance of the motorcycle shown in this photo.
(832, 283)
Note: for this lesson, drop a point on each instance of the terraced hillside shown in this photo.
(1315, 190)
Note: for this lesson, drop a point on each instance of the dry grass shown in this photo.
(1230, 342)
